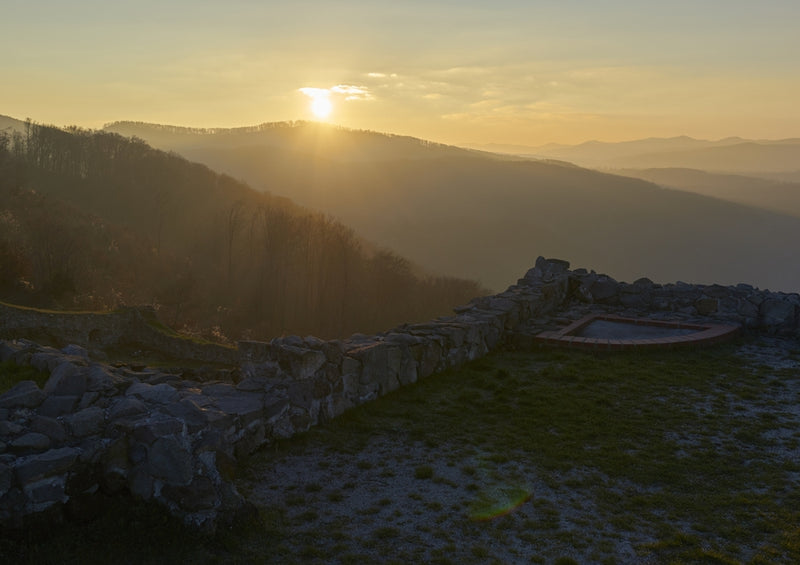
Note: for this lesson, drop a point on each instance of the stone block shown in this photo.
(777, 313)
(157, 426)
(66, 380)
(706, 306)
(167, 459)
(157, 394)
(24, 394)
(50, 427)
(31, 441)
(89, 421)
(55, 406)
(126, 407)
(300, 363)
(46, 493)
(100, 378)
(34, 467)
(245, 406)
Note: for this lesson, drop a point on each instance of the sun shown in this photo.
(321, 107)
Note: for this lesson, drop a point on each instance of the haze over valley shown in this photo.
(479, 215)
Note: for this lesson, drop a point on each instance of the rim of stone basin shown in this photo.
(697, 334)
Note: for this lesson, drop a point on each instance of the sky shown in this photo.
(455, 71)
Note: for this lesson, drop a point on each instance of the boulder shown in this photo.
(157, 394)
(55, 406)
(86, 422)
(706, 306)
(169, 460)
(24, 394)
(53, 462)
(32, 441)
(604, 289)
(777, 313)
(66, 380)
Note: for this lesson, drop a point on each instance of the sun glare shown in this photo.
(321, 107)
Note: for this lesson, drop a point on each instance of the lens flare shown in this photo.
(498, 501)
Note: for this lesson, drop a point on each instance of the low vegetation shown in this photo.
(542, 457)
(11, 374)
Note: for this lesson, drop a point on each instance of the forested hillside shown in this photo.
(94, 220)
(484, 217)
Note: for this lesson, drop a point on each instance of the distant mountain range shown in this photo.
(732, 154)
(486, 217)
(773, 195)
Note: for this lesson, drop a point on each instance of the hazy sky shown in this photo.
(458, 71)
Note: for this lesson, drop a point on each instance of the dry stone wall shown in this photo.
(95, 331)
(95, 430)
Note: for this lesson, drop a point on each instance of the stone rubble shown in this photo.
(98, 429)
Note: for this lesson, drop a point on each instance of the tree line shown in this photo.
(94, 220)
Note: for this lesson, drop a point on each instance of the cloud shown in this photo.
(352, 92)
(315, 92)
(348, 91)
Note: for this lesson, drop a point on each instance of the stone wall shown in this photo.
(97, 430)
(98, 330)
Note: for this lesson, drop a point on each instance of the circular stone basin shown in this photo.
(623, 330)
(616, 332)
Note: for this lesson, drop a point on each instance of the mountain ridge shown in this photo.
(483, 218)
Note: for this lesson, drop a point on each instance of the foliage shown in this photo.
(94, 220)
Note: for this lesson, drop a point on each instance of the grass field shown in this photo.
(534, 457)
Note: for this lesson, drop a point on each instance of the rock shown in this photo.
(46, 359)
(75, 351)
(169, 460)
(25, 394)
(158, 394)
(88, 399)
(159, 425)
(86, 422)
(34, 467)
(100, 378)
(300, 363)
(777, 313)
(187, 410)
(50, 427)
(32, 441)
(706, 306)
(126, 407)
(9, 429)
(55, 406)
(546, 269)
(115, 465)
(604, 289)
(246, 406)
(66, 380)
(45, 493)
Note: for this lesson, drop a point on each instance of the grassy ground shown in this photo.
(543, 457)
(11, 374)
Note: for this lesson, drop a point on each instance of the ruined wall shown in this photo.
(94, 330)
(98, 429)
